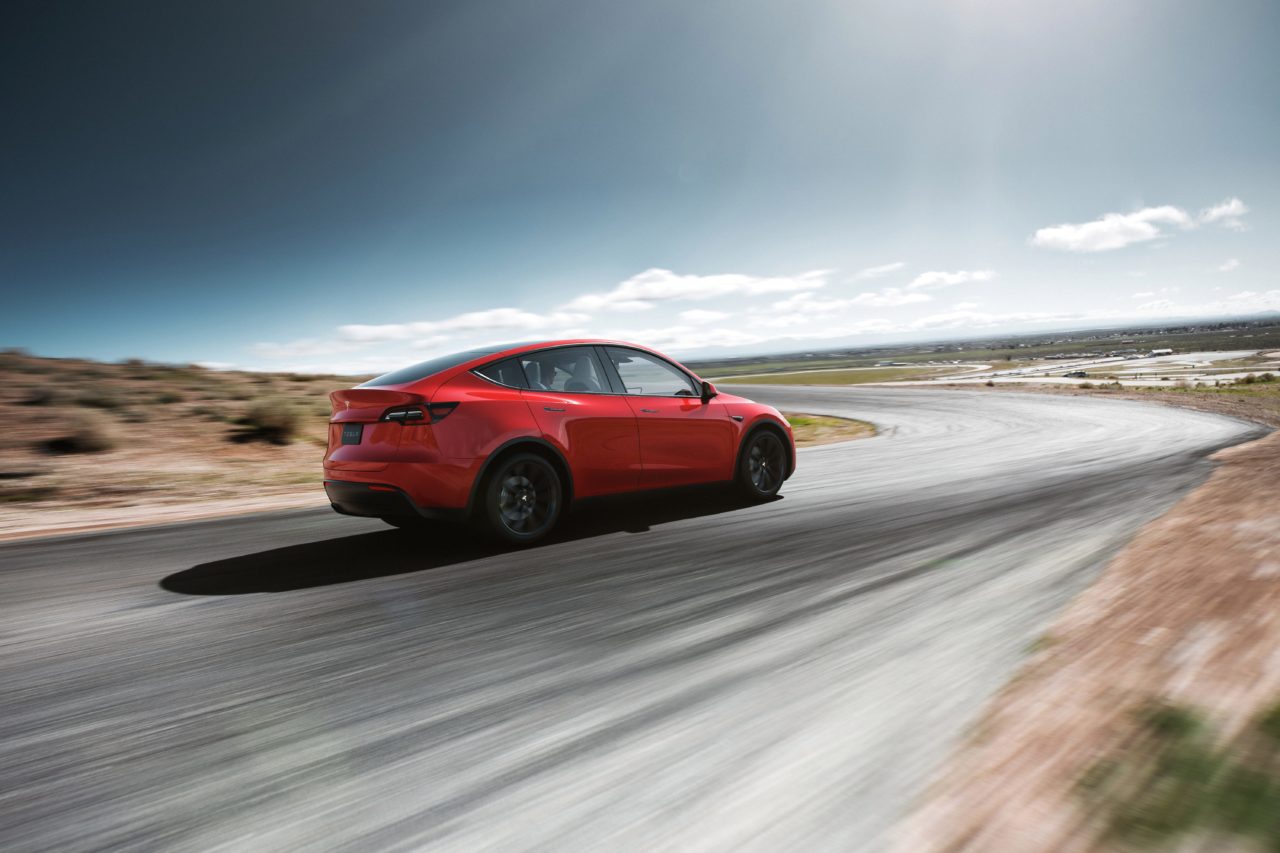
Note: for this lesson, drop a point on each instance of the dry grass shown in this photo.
(95, 435)
(811, 430)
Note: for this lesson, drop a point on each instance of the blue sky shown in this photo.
(323, 186)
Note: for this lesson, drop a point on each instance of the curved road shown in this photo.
(671, 673)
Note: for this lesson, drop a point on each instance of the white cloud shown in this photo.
(495, 319)
(935, 280)
(1255, 300)
(883, 269)
(1117, 230)
(1228, 265)
(685, 337)
(1227, 213)
(889, 297)
(1144, 294)
(812, 306)
(1112, 230)
(964, 306)
(430, 343)
(699, 316)
(658, 285)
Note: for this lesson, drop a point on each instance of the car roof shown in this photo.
(484, 355)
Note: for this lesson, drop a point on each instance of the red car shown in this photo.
(511, 436)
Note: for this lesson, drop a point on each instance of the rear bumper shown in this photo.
(378, 500)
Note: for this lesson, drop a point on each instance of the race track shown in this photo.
(670, 673)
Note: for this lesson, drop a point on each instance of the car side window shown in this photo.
(572, 370)
(504, 373)
(649, 376)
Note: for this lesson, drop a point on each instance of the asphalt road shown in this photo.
(671, 673)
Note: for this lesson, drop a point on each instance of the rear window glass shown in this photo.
(574, 370)
(504, 373)
(423, 369)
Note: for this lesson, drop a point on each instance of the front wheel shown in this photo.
(522, 498)
(762, 465)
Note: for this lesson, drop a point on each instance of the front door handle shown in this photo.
(650, 411)
(551, 409)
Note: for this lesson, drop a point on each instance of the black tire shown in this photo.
(762, 465)
(523, 498)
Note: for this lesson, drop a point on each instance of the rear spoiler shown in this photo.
(370, 404)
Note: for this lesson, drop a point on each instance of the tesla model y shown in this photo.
(509, 437)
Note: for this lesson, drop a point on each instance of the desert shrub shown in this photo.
(99, 398)
(991, 383)
(168, 397)
(88, 438)
(1267, 377)
(42, 396)
(135, 416)
(271, 420)
(1086, 384)
(1247, 380)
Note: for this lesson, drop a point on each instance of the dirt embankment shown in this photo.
(1187, 617)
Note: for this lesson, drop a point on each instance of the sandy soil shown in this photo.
(1188, 613)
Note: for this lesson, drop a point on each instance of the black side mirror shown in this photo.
(708, 391)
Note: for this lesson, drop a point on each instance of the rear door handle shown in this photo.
(551, 409)
(650, 411)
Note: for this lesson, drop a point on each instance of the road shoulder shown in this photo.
(1187, 617)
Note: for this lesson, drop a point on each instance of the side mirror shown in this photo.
(708, 391)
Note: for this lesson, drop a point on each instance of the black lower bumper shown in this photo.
(372, 500)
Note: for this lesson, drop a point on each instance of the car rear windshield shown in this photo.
(423, 369)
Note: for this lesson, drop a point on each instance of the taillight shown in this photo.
(415, 414)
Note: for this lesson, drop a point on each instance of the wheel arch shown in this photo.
(529, 444)
(766, 423)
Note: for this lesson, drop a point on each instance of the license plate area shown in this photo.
(352, 433)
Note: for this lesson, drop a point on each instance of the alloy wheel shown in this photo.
(766, 463)
(527, 499)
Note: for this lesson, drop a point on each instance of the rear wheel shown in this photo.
(762, 465)
(523, 497)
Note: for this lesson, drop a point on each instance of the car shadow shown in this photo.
(394, 552)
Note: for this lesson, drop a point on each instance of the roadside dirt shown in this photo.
(1187, 614)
